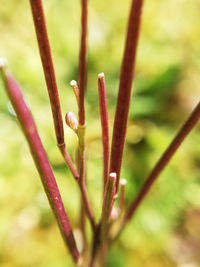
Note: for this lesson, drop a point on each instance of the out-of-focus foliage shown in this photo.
(166, 228)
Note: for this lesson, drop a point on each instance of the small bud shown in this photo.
(123, 182)
(113, 176)
(3, 63)
(75, 88)
(115, 197)
(71, 121)
(101, 75)
(114, 213)
(73, 83)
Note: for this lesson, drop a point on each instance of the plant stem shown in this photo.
(107, 205)
(83, 61)
(76, 90)
(80, 91)
(95, 246)
(41, 162)
(104, 125)
(80, 131)
(124, 94)
(162, 163)
(47, 62)
(49, 72)
(82, 218)
(123, 183)
(68, 161)
(82, 225)
(82, 180)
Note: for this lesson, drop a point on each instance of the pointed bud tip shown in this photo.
(101, 75)
(3, 63)
(115, 213)
(73, 83)
(123, 182)
(113, 175)
(71, 120)
(115, 196)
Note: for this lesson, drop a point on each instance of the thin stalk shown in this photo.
(49, 72)
(41, 162)
(82, 179)
(87, 205)
(124, 94)
(80, 95)
(82, 226)
(107, 205)
(83, 60)
(104, 125)
(123, 183)
(76, 90)
(81, 109)
(82, 157)
(47, 62)
(162, 163)
(82, 217)
(95, 246)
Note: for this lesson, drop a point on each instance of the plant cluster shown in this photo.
(115, 215)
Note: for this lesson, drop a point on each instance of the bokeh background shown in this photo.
(166, 228)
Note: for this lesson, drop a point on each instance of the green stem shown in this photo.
(82, 179)
(107, 205)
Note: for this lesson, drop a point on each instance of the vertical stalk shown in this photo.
(82, 180)
(41, 162)
(49, 72)
(107, 205)
(82, 218)
(95, 247)
(124, 94)
(81, 156)
(83, 60)
(80, 92)
(100, 239)
(76, 91)
(104, 125)
(83, 225)
(123, 183)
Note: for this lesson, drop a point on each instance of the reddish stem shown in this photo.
(104, 124)
(80, 90)
(68, 161)
(83, 61)
(45, 53)
(163, 161)
(41, 162)
(47, 62)
(124, 95)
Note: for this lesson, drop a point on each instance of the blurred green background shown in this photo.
(166, 228)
